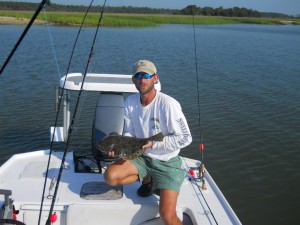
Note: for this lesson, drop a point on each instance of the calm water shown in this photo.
(249, 100)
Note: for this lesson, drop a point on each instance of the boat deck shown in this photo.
(87, 195)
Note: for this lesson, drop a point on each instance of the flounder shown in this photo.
(125, 147)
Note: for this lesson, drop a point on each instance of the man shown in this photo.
(147, 113)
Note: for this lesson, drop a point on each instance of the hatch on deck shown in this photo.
(100, 191)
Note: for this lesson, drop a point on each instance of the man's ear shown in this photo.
(156, 77)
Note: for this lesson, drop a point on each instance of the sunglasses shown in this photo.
(139, 76)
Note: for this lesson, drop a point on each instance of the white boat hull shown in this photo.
(24, 174)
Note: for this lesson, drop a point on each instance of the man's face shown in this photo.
(142, 84)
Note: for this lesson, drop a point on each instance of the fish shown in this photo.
(125, 147)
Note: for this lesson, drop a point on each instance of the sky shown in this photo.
(289, 7)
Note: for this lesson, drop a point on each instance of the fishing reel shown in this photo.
(7, 211)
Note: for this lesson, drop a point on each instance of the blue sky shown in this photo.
(290, 7)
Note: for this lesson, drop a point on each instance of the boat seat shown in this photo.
(108, 119)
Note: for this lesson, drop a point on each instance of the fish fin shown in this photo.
(157, 137)
(134, 155)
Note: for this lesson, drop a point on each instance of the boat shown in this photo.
(83, 197)
(65, 187)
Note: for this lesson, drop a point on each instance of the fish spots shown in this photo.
(124, 146)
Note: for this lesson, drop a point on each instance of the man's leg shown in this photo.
(167, 207)
(121, 172)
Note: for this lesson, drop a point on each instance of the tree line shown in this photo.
(26, 6)
(220, 11)
(189, 10)
(230, 12)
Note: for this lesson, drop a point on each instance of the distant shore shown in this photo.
(132, 20)
(7, 20)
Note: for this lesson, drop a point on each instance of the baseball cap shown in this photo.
(145, 66)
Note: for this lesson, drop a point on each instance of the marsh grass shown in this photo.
(140, 20)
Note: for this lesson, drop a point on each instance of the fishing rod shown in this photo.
(50, 215)
(41, 6)
(201, 168)
(201, 145)
(57, 115)
(53, 217)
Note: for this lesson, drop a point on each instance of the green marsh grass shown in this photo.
(141, 20)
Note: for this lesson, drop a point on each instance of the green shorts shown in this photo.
(165, 174)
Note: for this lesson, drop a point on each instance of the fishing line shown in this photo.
(51, 41)
(74, 115)
(58, 110)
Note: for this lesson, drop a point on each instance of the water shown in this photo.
(249, 100)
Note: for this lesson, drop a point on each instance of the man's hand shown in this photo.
(111, 154)
(148, 145)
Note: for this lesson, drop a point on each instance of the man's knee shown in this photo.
(110, 177)
(168, 216)
(121, 172)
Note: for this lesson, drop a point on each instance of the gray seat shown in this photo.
(108, 119)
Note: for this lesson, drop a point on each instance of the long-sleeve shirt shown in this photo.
(163, 114)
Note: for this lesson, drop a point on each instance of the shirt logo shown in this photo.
(155, 123)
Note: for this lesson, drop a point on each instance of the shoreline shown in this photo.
(136, 20)
(7, 20)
